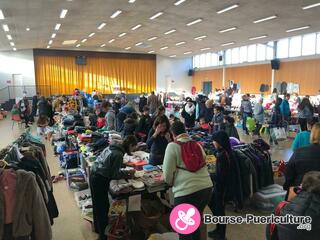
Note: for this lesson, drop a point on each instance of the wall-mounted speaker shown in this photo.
(190, 72)
(220, 58)
(275, 64)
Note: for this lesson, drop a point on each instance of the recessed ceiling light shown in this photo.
(1, 14)
(180, 43)
(116, 14)
(50, 42)
(14, 49)
(200, 37)
(258, 37)
(170, 31)
(156, 15)
(228, 8)
(9, 37)
(102, 25)
(127, 48)
(228, 30)
(78, 45)
(5, 27)
(311, 6)
(63, 13)
(27, 29)
(111, 41)
(69, 42)
(265, 19)
(297, 29)
(103, 45)
(151, 51)
(136, 27)
(227, 44)
(187, 53)
(84, 40)
(173, 56)
(163, 48)
(132, 1)
(194, 22)
(53, 35)
(205, 49)
(57, 27)
(91, 34)
(122, 34)
(139, 43)
(48, 46)
(179, 2)
(152, 38)
(12, 44)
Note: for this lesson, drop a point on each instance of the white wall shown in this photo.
(174, 72)
(19, 62)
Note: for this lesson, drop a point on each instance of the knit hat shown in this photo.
(222, 138)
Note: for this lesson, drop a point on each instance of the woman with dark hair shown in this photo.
(305, 113)
(107, 167)
(159, 112)
(158, 139)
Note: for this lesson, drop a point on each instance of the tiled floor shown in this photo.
(70, 226)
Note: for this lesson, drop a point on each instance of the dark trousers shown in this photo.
(99, 186)
(244, 121)
(198, 199)
(217, 207)
(303, 124)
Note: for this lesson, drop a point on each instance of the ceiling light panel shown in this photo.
(116, 14)
(228, 8)
(187, 53)
(91, 34)
(5, 27)
(139, 43)
(258, 37)
(1, 15)
(103, 45)
(131, 1)
(297, 29)
(151, 51)
(14, 49)
(78, 45)
(170, 31)
(311, 6)
(84, 40)
(194, 22)
(27, 29)
(57, 27)
(50, 42)
(9, 37)
(136, 27)
(63, 13)
(173, 56)
(180, 43)
(227, 30)
(179, 2)
(102, 25)
(200, 37)
(265, 19)
(112, 40)
(122, 34)
(156, 15)
(48, 46)
(127, 48)
(53, 35)
(205, 49)
(152, 38)
(12, 44)
(69, 42)
(227, 44)
(164, 48)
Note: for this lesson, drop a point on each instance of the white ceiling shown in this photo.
(84, 16)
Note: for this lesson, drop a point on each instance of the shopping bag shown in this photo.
(263, 130)
(278, 134)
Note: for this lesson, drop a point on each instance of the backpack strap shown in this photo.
(277, 212)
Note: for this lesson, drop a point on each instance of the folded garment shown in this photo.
(136, 183)
(120, 186)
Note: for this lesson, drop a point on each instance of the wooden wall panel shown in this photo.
(305, 72)
(249, 77)
(214, 75)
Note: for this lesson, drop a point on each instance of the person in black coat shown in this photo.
(34, 106)
(145, 124)
(107, 167)
(229, 128)
(130, 125)
(223, 179)
(303, 160)
(189, 114)
(143, 101)
(158, 139)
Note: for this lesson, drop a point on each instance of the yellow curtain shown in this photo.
(60, 75)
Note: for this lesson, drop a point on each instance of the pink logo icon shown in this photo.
(185, 219)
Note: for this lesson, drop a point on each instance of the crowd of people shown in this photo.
(168, 142)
